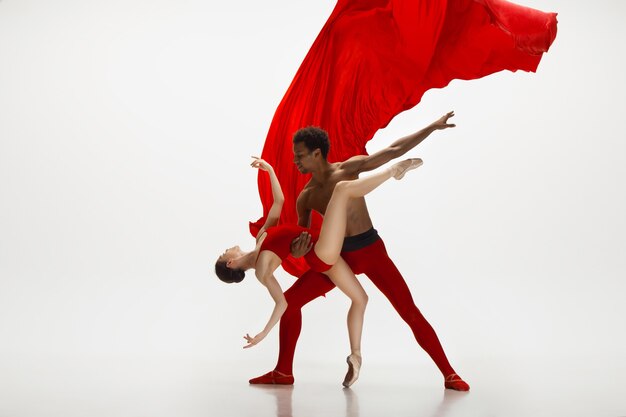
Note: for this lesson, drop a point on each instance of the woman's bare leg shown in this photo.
(343, 277)
(333, 230)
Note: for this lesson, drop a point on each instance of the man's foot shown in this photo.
(273, 378)
(453, 381)
(354, 366)
(400, 168)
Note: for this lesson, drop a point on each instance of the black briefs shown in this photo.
(356, 242)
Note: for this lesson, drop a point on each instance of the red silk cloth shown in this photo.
(376, 58)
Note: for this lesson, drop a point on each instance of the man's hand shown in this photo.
(442, 123)
(301, 245)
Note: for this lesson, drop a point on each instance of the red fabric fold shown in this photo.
(374, 59)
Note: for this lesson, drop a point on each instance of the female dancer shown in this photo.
(273, 245)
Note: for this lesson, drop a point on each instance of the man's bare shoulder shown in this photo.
(352, 166)
(352, 159)
(308, 187)
(305, 194)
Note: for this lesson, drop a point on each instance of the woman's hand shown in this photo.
(260, 164)
(254, 340)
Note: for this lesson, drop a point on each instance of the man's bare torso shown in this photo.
(316, 195)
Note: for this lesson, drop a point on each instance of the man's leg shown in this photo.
(306, 288)
(376, 264)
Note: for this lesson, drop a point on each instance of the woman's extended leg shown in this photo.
(333, 230)
(343, 277)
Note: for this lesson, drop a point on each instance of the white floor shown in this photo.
(184, 387)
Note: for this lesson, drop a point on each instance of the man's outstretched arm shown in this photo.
(363, 163)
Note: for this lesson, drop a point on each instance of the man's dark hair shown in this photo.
(313, 138)
(228, 275)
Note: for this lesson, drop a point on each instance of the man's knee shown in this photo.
(297, 297)
(411, 314)
(292, 312)
(295, 301)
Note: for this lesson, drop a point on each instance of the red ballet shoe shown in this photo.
(273, 378)
(453, 381)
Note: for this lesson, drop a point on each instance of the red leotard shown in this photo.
(278, 241)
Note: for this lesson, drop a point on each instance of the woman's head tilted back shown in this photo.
(226, 267)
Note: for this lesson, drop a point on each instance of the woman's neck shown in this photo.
(249, 259)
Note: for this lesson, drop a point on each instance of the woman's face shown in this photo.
(230, 254)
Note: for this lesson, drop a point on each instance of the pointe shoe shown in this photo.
(273, 378)
(354, 366)
(402, 167)
(453, 381)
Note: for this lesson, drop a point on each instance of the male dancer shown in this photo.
(363, 249)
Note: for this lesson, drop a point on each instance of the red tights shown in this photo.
(374, 262)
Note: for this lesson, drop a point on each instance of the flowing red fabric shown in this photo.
(376, 58)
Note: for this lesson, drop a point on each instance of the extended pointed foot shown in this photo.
(354, 367)
(400, 168)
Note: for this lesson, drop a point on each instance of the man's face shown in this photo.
(302, 157)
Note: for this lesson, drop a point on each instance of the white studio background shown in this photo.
(125, 135)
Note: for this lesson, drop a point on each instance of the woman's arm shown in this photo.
(277, 194)
(281, 305)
